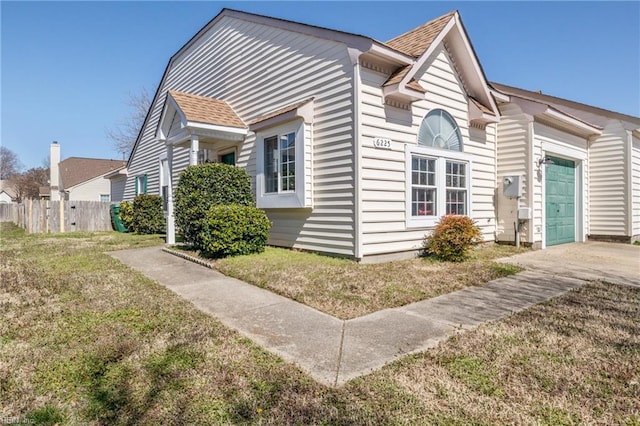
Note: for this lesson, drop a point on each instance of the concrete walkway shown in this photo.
(334, 351)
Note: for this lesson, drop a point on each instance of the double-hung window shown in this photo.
(283, 157)
(423, 186)
(280, 163)
(438, 172)
(456, 187)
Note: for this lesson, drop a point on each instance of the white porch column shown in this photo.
(171, 227)
(195, 147)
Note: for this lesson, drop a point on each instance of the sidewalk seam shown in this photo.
(344, 324)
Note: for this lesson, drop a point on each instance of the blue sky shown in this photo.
(68, 67)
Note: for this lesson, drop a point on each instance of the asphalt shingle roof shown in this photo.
(75, 170)
(202, 109)
(418, 40)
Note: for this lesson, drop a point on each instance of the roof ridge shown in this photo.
(93, 158)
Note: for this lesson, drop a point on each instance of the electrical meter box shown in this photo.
(511, 186)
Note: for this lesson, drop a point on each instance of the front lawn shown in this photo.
(85, 340)
(346, 289)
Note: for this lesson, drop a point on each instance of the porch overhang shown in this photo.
(185, 116)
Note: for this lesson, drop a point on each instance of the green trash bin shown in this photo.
(116, 222)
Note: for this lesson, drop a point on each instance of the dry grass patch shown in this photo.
(572, 360)
(346, 289)
(84, 340)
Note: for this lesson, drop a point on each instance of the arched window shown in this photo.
(439, 130)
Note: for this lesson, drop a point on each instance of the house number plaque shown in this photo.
(382, 143)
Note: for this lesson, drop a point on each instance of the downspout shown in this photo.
(628, 148)
(530, 181)
(354, 54)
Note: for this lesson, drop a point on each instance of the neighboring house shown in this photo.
(44, 192)
(8, 194)
(357, 147)
(81, 179)
(592, 189)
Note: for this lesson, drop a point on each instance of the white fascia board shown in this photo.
(194, 126)
(501, 97)
(387, 52)
(406, 92)
(475, 64)
(476, 113)
(573, 122)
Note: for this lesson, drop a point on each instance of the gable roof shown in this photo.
(416, 41)
(421, 42)
(584, 112)
(202, 109)
(405, 50)
(76, 170)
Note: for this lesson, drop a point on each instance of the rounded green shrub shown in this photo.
(452, 238)
(230, 230)
(126, 214)
(148, 217)
(205, 185)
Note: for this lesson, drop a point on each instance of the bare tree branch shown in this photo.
(27, 184)
(9, 163)
(124, 135)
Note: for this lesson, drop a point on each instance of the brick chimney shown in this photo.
(54, 171)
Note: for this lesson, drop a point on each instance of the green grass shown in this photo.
(346, 289)
(86, 341)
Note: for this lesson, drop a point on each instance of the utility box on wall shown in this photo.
(511, 186)
(524, 213)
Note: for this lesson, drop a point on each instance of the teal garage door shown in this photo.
(560, 202)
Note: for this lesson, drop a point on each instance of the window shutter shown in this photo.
(144, 185)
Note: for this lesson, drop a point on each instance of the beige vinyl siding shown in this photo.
(90, 190)
(635, 182)
(608, 183)
(258, 69)
(513, 136)
(383, 175)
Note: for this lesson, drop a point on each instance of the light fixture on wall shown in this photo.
(545, 160)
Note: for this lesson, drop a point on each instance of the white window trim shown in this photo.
(140, 180)
(441, 156)
(288, 199)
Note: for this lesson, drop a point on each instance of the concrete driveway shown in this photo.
(612, 262)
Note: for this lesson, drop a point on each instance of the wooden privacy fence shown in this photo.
(42, 216)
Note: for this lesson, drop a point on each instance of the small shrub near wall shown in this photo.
(453, 238)
(126, 214)
(205, 185)
(230, 230)
(148, 217)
